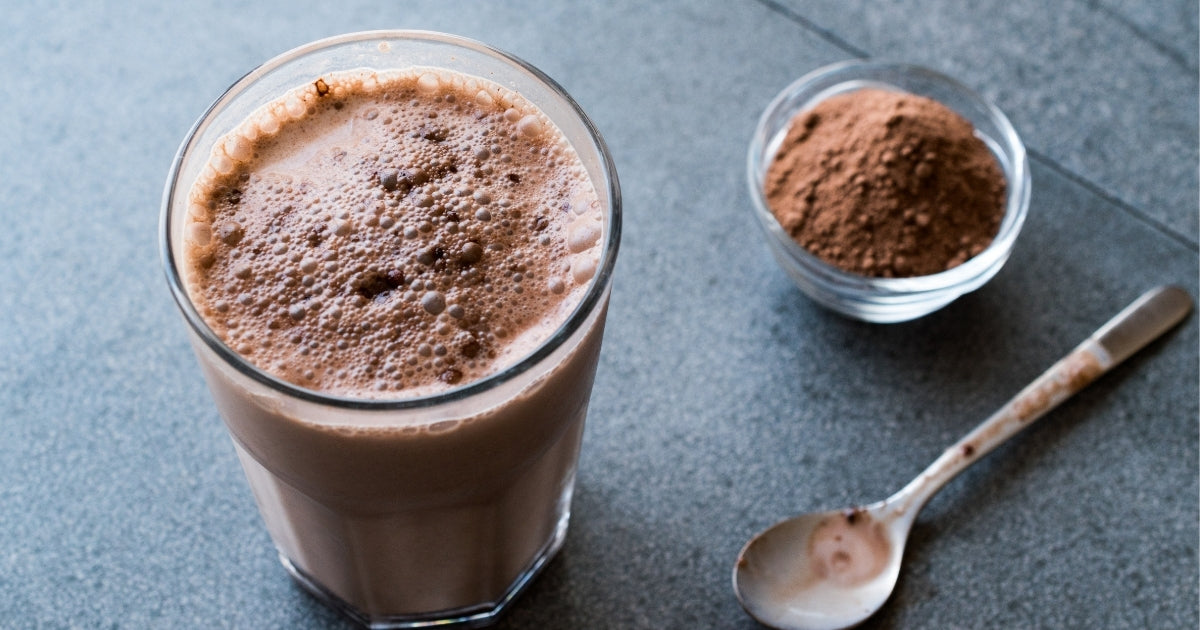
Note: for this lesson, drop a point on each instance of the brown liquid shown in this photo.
(401, 521)
(393, 236)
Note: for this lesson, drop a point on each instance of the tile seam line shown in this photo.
(1135, 213)
(824, 33)
(1163, 49)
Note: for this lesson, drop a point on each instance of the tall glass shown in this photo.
(419, 511)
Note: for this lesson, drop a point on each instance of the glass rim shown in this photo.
(600, 282)
(1015, 167)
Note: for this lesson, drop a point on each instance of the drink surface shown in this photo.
(390, 235)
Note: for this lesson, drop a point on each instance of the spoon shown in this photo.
(827, 570)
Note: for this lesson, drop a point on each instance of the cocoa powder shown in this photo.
(886, 184)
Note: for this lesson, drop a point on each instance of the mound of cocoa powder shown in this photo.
(886, 184)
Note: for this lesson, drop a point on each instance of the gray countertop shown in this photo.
(725, 399)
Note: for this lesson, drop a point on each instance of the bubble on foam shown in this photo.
(433, 302)
(294, 107)
(221, 163)
(230, 232)
(267, 124)
(581, 202)
(429, 82)
(238, 148)
(583, 267)
(197, 211)
(199, 233)
(583, 236)
(530, 126)
(443, 426)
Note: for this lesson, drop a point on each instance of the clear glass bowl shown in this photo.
(885, 300)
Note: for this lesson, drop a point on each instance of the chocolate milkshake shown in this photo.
(396, 274)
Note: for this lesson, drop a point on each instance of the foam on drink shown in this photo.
(385, 235)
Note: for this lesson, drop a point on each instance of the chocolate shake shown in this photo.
(397, 280)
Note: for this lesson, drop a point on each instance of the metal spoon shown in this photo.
(834, 569)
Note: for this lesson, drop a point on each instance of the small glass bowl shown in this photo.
(885, 300)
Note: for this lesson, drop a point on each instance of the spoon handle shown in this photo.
(1141, 322)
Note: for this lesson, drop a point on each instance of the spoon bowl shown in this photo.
(823, 570)
(829, 570)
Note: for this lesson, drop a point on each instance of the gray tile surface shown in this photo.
(724, 400)
(1169, 26)
(1089, 86)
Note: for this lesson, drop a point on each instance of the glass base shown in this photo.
(470, 617)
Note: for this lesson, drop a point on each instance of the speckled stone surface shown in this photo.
(725, 399)
(1089, 84)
